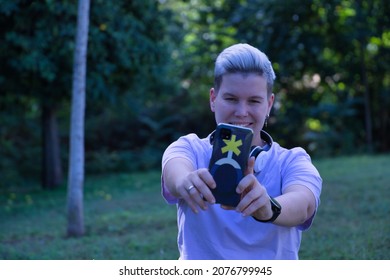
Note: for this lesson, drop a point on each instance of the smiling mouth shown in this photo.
(241, 124)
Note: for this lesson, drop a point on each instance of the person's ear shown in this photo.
(271, 100)
(212, 99)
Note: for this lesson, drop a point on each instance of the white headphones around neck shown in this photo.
(261, 153)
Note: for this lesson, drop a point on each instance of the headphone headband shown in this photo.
(256, 150)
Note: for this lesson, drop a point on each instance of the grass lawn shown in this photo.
(126, 217)
(353, 219)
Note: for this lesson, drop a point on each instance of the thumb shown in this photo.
(251, 165)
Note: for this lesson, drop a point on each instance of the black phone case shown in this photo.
(229, 159)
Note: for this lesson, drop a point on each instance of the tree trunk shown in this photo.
(362, 39)
(52, 174)
(367, 100)
(76, 159)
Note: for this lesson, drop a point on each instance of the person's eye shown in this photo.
(255, 101)
(231, 99)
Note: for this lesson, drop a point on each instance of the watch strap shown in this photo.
(276, 210)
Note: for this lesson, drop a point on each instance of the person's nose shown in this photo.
(241, 110)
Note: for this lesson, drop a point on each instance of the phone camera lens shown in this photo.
(226, 134)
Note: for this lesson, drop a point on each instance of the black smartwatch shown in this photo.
(276, 210)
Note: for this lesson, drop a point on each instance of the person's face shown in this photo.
(242, 100)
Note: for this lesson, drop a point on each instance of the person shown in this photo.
(280, 194)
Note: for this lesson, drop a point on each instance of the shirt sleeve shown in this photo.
(299, 170)
(182, 148)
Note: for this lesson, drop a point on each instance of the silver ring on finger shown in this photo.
(190, 188)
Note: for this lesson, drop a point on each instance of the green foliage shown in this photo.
(127, 55)
(36, 49)
(127, 218)
(128, 61)
(327, 57)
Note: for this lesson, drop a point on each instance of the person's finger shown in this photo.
(251, 165)
(246, 183)
(226, 207)
(186, 195)
(252, 201)
(203, 182)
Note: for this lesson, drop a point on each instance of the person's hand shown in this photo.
(254, 197)
(195, 189)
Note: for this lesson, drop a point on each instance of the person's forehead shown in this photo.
(238, 79)
(243, 75)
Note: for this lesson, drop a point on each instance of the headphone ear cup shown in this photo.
(261, 161)
(212, 137)
(255, 151)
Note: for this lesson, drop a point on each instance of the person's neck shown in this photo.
(262, 143)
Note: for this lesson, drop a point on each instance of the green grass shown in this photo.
(353, 221)
(126, 217)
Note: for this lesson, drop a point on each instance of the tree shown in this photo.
(128, 63)
(76, 159)
(34, 50)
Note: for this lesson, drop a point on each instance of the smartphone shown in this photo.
(229, 159)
